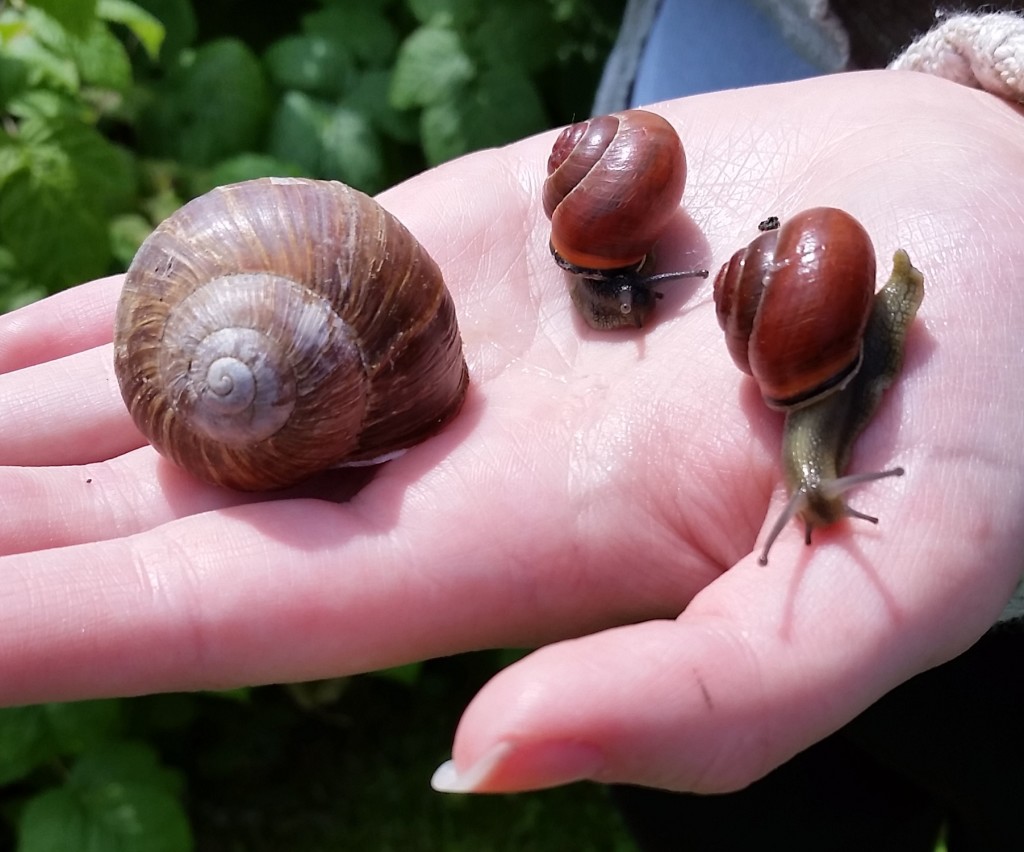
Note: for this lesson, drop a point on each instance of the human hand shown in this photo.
(594, 486)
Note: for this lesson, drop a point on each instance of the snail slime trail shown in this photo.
(800, 314)
(614, 182)
(259, 337)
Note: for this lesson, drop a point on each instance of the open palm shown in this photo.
(596, 485)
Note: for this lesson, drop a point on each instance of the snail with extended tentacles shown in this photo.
(614, 183)
(801, 316)
(274, 328)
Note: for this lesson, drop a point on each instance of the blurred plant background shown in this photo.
(114, 113)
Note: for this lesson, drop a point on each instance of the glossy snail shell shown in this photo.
(613, 184)
(277, 327)
(795, 302)
(800, 314)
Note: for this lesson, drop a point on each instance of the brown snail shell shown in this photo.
(800, 315)
(794, 304)
(614, 183)
(277, 327)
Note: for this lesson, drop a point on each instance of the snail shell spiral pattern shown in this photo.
(277, 327)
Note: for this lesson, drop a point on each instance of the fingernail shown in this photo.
(520, 766)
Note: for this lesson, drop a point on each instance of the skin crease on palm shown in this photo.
(595, 485)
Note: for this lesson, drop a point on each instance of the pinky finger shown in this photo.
(63, 324)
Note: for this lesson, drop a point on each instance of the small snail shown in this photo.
(614, 182)
(277, 327)
(800, 313)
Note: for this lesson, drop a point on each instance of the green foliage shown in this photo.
(61, 179)
(310, 767)
(114, 798)
(470, 68)
(211, 104)
(84, 785)
(114, 112)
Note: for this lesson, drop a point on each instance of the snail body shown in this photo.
(274, 328)
(824, 359)
(614, 182)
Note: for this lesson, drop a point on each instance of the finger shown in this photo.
(50, 507)
(293, 590)
(708, 703)
(765, 660)
(60, 325)
(299, 589)
(66, 411)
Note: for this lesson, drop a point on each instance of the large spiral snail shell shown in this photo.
(277, 327)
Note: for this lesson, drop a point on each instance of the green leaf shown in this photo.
(140, 23)
(12, 158)
(238, 695)
(126, 233)
(310, 63)
(42, 48)
(243, 167)
(369, 95)
(408, 674)
(360, 28)
(31, 736)
(502, 105)
(56, 58)
(444, 12)
(76, 16)
(351, 151)
(516, 33)
(81, 725)
(101, 59)
(61, 150)
(430, 68)
(327, 141)
(296, 131)
(55, 203)
(123, 762)
(118, 799)
(178, 19)
(52, 232)
(13, 77)
(213, 105)
(24, 737)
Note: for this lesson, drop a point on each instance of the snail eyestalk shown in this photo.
(799, 504)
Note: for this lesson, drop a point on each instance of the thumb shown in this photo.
(707, 703)
(680, 706)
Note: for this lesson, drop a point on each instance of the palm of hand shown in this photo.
(592, 480)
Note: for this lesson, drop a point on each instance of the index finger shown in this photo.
(60, 325)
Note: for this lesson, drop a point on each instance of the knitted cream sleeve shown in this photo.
(983, 51)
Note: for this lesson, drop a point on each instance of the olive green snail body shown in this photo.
(274, 328)
(800, 313)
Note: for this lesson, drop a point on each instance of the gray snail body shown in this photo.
(278, 327)
(833, 392)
